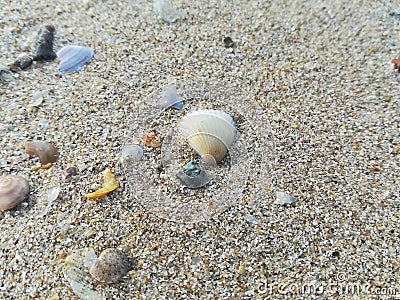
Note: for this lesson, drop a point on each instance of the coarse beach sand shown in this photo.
(322, 73)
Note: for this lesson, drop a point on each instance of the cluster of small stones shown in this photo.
(323, 76)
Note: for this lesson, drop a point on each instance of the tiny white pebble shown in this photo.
(283, 198)
(252, 219)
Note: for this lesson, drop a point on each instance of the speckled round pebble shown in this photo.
(110, 266)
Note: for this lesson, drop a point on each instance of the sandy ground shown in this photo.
(322, 73)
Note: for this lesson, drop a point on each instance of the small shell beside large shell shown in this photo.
(13, 190)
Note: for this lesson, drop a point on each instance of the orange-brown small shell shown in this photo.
(396, 63)
(150, 139)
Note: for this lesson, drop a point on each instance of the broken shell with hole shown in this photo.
(209, 132)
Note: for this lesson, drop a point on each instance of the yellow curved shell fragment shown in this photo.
(110, 184)
(44, 167)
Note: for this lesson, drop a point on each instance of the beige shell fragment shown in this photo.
(78, 277)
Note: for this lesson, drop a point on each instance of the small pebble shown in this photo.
(45, 51)
(21, 64)
(46, 151)
(228, 42)
(69, 172)
(132, 152)
(193, 176)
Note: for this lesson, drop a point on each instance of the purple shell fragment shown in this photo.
(170, 98)
(73, 58)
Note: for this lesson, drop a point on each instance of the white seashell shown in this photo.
(52, 194)
(73, 58)
(209, 132)
(37, 99)
(77, 276)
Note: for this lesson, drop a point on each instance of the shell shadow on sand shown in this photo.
(233, 149)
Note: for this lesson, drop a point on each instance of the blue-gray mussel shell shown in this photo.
(73, 58)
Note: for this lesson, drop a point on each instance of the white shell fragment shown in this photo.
(90, 258)
(170, 98)
(37, 99)
(73, 58)
(165, 10)
(52, 194)
(209, 132)
(78, 277)
(252, 219)
(283, 198)
(111, 266)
